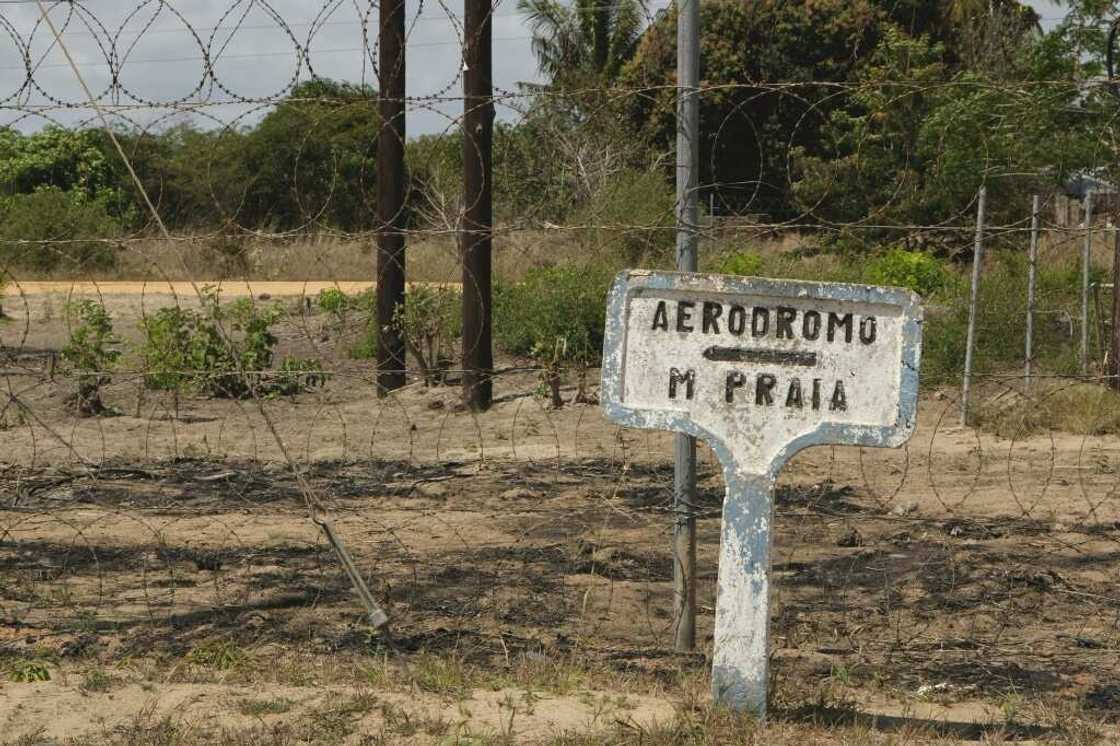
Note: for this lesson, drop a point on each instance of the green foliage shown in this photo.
(430, 320)
(70, 161)
(746, 130)
(588, 39)
(1001, 322)
(166, 350)
(915, 270)
(220, 655)
(296, 375)
(917, 138)
(364, 304)
(333, 301)
(633, 217)
(224, 351)
(746, 263)
(435, 171)
(91, 352)
(29, 672)
(51, 215)
(557, 303)
(311, 160)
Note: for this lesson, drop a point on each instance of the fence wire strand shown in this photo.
(197, 473)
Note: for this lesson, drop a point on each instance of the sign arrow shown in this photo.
(755, 355)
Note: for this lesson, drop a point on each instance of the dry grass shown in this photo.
(432, 257)
(1064, 406)
(364, 705)
(361, 719)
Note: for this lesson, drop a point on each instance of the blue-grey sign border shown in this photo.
(614, 340)
(740, 656)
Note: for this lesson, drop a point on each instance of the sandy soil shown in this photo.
(964, 578)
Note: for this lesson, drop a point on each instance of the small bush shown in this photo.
(220, 655)
(225, 351)
(54, 215)
(915, 270)
(97, 681)
(556, 316)
(746, 263)
(429, 321)
(333, 301)
(296, 375)
(29, 672)
(91, 352)
(365, 305)
(230, 346)
(166, 350)
(555, 303)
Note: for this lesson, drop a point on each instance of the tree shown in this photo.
(590, 39)
(769, 69)
(55, 158)
(917, 138)
(311, 161)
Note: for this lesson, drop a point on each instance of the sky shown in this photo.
(157, 48)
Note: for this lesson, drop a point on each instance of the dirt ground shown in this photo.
(160, 578)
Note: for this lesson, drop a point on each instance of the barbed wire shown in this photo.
(162, 446)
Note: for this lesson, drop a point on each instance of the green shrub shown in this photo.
(1001, 322)
(429, 321)
(91, 352)
(365, 304)
(29, 672)
(231, 346)
(746, 263)
(634, 215)
(333, 301)
(168, 337)
(224, 351)
(296, 375)
(916, 270)
(53, 215)
(556, 303)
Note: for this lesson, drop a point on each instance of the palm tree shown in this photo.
(590, 37)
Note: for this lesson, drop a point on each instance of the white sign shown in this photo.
(760, 369)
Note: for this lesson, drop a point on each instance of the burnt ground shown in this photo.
(966, 579)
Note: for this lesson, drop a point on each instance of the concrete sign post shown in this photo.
(759, 369)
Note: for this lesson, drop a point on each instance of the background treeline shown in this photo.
(853, 115)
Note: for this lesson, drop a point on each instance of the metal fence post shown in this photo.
(1086, 257)
(390, 197)
(1032, 269)
(684, 447)
(970, 339)
(1114, 353)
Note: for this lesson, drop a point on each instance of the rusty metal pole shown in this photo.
(1086, 262)
(390, 197)
(688, 178)
(475, 232)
